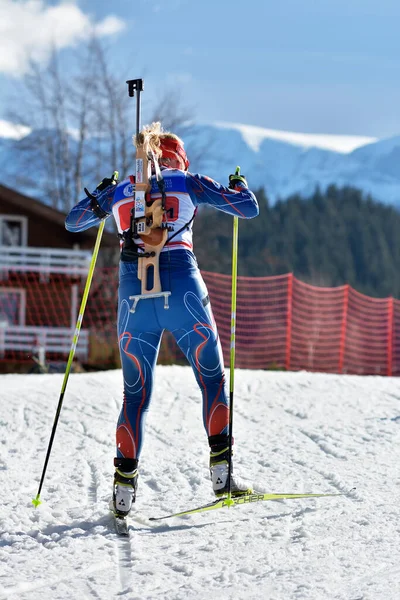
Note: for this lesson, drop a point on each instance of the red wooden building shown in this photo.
(43, 269)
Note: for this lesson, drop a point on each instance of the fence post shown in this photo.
(3, 334)
(390, 337)
(343, 329)
(74, 305)
(289, 321)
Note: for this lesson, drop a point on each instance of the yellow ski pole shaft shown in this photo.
(36, 501)
(229, 500)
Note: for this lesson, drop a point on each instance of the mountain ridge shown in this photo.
(284, 163)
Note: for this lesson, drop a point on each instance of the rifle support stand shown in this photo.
(143, 296)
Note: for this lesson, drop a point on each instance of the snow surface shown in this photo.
(254, 136)
(294, 432)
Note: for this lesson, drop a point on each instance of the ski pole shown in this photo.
(229, 501)
(36, 501)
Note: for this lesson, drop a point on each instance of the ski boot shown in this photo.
(125, 485)
(219, 469)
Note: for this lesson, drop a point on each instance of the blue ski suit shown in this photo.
(189, 317)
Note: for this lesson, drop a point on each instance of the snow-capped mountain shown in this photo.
(285, 162)
(282, 162)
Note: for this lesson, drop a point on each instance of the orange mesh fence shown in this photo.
(317, 334)
(261, 318)
(281, 323)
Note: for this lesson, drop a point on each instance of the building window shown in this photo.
(12, 306)
(13, 230)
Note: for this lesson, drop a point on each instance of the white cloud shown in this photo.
(12, 130)
(29, 29)
(109, 26)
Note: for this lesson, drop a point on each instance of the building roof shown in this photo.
(30, 206)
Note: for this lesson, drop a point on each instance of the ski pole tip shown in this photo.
(36, 501)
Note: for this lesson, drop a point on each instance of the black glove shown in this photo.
(95, 198)
(107, 181)
(237, 178)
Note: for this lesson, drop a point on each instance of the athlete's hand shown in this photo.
(237, 181)
(101, 198)
(107, 181)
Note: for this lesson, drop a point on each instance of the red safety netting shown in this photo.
(261, 318)
(281, 322)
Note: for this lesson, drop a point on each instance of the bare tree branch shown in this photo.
(81, 122)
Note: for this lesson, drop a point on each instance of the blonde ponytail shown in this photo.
(151, 136)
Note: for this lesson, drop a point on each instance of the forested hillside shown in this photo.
(330, 239)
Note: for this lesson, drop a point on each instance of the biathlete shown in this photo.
(189, 318)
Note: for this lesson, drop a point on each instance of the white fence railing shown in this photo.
(42, 340)
(44, 260)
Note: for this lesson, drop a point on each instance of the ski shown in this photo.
(121, 526)
(245, 499)
(120, 523)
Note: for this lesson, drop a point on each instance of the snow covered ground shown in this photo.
(294, 432)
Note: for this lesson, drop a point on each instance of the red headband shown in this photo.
(170, 146)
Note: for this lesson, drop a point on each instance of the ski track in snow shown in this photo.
(294, 432)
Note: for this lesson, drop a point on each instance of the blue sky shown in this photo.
(315, 66)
